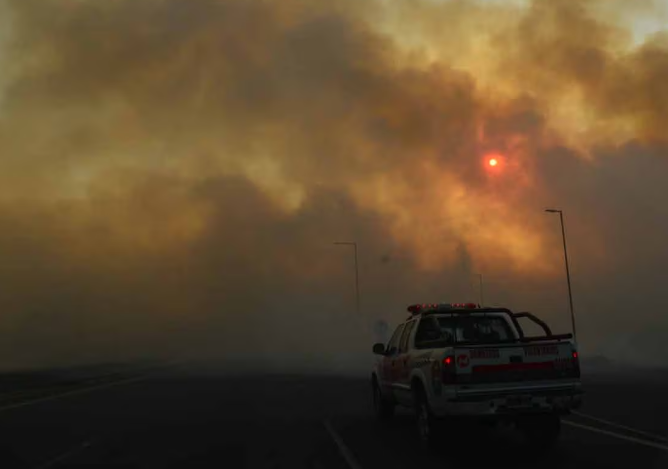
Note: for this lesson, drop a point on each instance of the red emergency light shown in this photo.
(421, 308)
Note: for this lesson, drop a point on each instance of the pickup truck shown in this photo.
(459, 362)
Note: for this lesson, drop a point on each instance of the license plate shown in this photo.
(518, 401)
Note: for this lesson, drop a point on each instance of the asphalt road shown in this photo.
(192, 417)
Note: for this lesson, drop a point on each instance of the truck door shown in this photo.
(387, 377)
(402, 366)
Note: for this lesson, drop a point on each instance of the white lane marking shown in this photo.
(619, 425)
(343, 449)
(66, 455)
(86, 389)
(617, 435)
(83, 390)
(401, 386)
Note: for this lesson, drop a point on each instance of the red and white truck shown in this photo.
(450, 362)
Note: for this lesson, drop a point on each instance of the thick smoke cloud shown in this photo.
(174, 173)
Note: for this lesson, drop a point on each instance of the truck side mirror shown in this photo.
(379, 349)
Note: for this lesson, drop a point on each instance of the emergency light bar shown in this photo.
(423, 308)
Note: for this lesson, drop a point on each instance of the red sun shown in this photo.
(493, 161)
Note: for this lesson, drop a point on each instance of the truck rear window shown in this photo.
(475, 329)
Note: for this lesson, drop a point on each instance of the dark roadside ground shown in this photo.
(194, 415)
(22, 385)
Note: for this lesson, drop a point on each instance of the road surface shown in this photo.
(192, 417)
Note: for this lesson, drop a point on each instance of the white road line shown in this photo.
(619, 425)
(617, 435)
(343, 449)
(66, 455)
(86, 389)
(53, 397)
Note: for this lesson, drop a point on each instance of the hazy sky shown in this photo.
(173, 172)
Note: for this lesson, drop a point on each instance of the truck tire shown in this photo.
(426, 422)
(383, 409)
(542, 431)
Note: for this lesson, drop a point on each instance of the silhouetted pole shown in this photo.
(568, 273)
(482, 298)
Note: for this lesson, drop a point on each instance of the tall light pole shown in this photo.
(482, 298)
(357, 273)
(568, 273)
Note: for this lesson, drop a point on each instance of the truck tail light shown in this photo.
(448, 372)
(576, 364)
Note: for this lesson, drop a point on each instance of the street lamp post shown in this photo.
(568, 274)
(482, 298)
(357, 274)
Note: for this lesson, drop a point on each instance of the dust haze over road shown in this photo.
(173, 173)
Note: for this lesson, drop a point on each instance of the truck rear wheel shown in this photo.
(542, 431)
(425, 420)
(383, 409)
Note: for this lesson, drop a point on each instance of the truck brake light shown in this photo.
(448, 371)
(576, 364)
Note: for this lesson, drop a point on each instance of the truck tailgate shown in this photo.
(516, 365)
